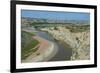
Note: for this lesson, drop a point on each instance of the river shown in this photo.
(64, 52)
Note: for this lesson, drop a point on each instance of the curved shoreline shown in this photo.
(53, 52)
(46, 54)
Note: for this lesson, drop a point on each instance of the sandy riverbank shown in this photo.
(46, 50)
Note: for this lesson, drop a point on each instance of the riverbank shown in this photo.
(79, 40)
(46, 50)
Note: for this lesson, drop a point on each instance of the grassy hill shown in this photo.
(27, 44)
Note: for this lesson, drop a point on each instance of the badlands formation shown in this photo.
(79, 41)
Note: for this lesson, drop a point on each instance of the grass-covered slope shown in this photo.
(28, 44)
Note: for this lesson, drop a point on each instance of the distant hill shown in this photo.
(28, 20)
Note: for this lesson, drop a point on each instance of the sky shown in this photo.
(55, 15)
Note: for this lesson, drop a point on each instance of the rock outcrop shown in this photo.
(80, 41)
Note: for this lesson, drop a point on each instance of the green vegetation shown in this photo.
(76, 55)
(38, 53)
(28, 44)
(28, 33)
(55, 28)
(78, 28)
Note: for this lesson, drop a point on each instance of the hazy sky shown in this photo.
(55, 15)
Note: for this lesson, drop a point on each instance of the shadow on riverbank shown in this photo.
(64, 52)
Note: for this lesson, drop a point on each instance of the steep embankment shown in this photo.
(79, 41)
